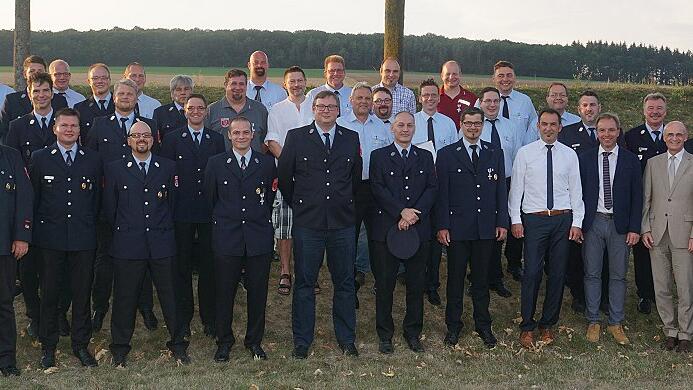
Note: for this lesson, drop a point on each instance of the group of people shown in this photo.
(116, 193)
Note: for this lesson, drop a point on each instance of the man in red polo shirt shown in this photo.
(453, 98)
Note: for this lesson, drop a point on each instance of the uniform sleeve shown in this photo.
(501, 193)
(168, 147)
(272, 185)
(286, 167)
(12, 137)
(110, 193)
(381, 193)
(636, 188)
(210, 187)
(357, 167)
(24, 198)
(442, 206)
(646, 198)
(428, 197)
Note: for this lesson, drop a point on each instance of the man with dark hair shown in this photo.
(515, 105)
(259, 88)
(100, 103)
(557, 99)
(403, 98)
(382, 104)
(145, 104)
(171, 116)
(453, 97)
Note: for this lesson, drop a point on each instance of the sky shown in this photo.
(658, 23)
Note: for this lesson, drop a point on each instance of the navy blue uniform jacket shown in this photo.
(18, 104)
(16, 200)
(26, 135)
(168, 118)
(640, 143)
(89, 110)
(107, 138)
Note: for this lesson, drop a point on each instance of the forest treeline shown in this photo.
(598, 61)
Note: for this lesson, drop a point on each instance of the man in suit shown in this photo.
(667, 231)
(241, 185)
(472, 217)
(688, 146)
(60, 73)
(404, 185)
(139, 194)
(319, 169)
(190, 147)
(100, 103)
(145, 104)
(612, 193)
(16, 220)
(646, 141)
(67, 187)
(171, 116)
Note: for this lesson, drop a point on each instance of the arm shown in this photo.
(210, 186)
(636, 199)
(286, 167)
(575, 190)
(442, 206)
(168, 147)
(274, 148)
(24, 199)
(381, 193)
(271, 186)
(425, 202)
(356, 167)
(411, 102)
(501, 193)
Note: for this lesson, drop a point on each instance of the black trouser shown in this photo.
(478, 254)
(495, 273)
(8, 325)
(128, 280)
(513, 246)
(29, 273)
(103, 274)
(228, 274)
(65, 299)
(385, 267)
(364, 208)
(643, 271)
(79, 265)
(185, 235)
(435, 252)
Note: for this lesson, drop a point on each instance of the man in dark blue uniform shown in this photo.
(403, 180)
(100, 103)
(472, 215)
(138, 200)
(171, 116)
(16, 215)
(241, 186)
(67, 186)
(190, 147)
(319, 169)
(108, 136)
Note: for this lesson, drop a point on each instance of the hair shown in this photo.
(334, 58)
(124, 82)
(588, 92)
(66, 111)
(608, 115)
(555, 83)
(324, 94)
(549, 111)
(183, 79)
(403, 112)
(654, 96)
(389, 59)
(360, 85)
(488, 89)
(198, 96)
(55, 63)
(40, 78)
(294, 69)
(99, 65)
(451, 62)
(128, 66)
(33, 59)
(503, 64)
(239, 118)
(428, 83)
(382, 89)
(471, 111)
(235, 72)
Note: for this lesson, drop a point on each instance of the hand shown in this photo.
(19, 249)
(648, 241)
(410, 215)
(575, 234)
(690, 245)
(444, 237)
(403, 225)
(501, 233)
(517, 230)
(632, 238)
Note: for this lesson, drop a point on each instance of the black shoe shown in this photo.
(300, 352)
(451, 339)
(500, 289)
(63, 326)
(10, 370)
(349, 349)
(97, 321)
(644, 306)
(516, 273)
(488, 338)
(257, 352)
(433, 297)
(604, 307)
(119, 360)
(150, 321)
(182, 357)
(210, 331)
(85, 357)
(385, 346)
(415, 344)
(48, 359)
(578, 306)
(222, 353)
(32, 329)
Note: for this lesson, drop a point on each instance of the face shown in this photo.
(41, 95)
(195, 111)
(675, 134)
(361, 101)
(33, 68)
(235, 88)
(258, 64)
(490, 104)
(325, 111)
(450, 74)
(557, 98)
(471, 127)
(549, 126)
(382, 105)
(240, 135)
(61, 76)
(140, 139)
(389, 73)
(589, 109)
(125, 98)
(66, 129)
(429, 98)
(181, 93)
(607, 133)
(655, 110)
(136, 74)
(403, 128)
(504, 79)
(295, 83)
(99, 81)
(334, 74)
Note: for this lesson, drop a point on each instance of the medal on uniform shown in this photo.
(84, 186)
(489, 173)
(160, 195)
(8, 186)
(260, 192)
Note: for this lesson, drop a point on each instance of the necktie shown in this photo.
(122, 126)
(656, 133)
(593, 136)
(506, 111)
(143, 168)
(475, 156)
(404, 154)
(61, 93)
(549, 178)
(339, 105)
(431, 134)
(68, 159)
(182, 112)
(386, 121)
(606, 181)
(327, 142)
(672, 170)
(243, 166)
(44, 123)
(102, 103)
(257, 97)
(196, 138)
(495, 138)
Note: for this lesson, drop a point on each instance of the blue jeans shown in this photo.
(309, 250)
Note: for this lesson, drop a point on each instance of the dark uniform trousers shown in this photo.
(242, 237)
(477, 254)
(8, 325)
(185, 243)
(364, 206)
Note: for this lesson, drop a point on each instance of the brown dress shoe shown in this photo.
(527, 339)
(546, 335)
(684, 346)
(670, 343)
(593, 332)
(618, 334)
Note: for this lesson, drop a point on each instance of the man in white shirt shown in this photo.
(335, 72)
(403, 98)
(60, 73)
(556, 98)
(145, 104)
(514, 105)
(545, 188)
(259, 88)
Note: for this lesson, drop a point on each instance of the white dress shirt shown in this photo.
(284, 116)
(528, 187)
(48, 117)
(520, 108)
(73, 97)
(270, 93)
(4, 91)
(651, 131)
(444, 129)
(373, 134)
(344, 94)
(146, 162)
(510, 137)
(613, 158)
(147, 105)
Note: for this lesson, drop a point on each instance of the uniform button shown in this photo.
(147, 229)
(146, 203)
(328, 184)
(69, 179)
(242, 221)
(406, 187)
(123, 155)
(69, 215)
(243, 197)
(406, 177)
(145, 190)
(69, 203)
(69, 191)
(325, 160)
(199, 192)
(478, 198)
(478, 210)
(199, 169)
(243, 210)
(407, 198)
(450, 212)
(666, 215)
(328, 171)
(225, 183)
(478, 186)
(328, 197)
(199, 181)
(300, 201)
(459, 170)
(146, 216)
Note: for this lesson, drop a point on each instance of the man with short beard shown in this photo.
(60, 73)
(382, 104)
(259, 88)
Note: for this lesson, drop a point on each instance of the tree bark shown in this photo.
(22, 39)
(394, 33)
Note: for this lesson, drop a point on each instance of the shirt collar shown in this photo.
(178, 106)
(586, 127)
(351, 117)
(107, 98)
(63, 149)
(66, 91)
(48, 116)
(678, 155)
(320, 132)
(147, 161)
(399, 148)
(131, 117)
(191, 130)
(252, 85)
(614, 151)
(247, 156)
(467, 143)
(650, 129)
(543, 144)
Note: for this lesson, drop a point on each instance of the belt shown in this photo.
(606, 215)
(551, 213)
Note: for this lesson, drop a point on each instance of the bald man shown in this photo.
(259, 88)
(453, 98)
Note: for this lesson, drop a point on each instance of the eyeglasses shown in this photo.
(489, 101)
(382, 101)
(330, 107)
(472, 124)
(62, 74)
(140, 135)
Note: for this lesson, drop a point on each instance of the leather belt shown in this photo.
(606, 215)
(551, 213)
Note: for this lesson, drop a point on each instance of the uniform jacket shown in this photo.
(639, 141)
(88, 111)
(17, 104)
(107, 138)
(577, 136)
(168, 118)
(27, 136)
(16, 198)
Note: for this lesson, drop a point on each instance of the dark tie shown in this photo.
(143, 168)
(339, 105)
(656, 133)
(431, 134)
(593, 136)
(122, 126)
(386, 121)
(606, 181)
(495, 138)
(327, 142)
(44, 124)
(61, 93)
(257, 93)
(196, 138)
(549, 178)
(506, 111)
(102, 103)
(475, 156)
(243, 166)
(68, 159)
(182, 112)
(404, 154)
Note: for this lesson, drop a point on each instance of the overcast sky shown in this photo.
(662, 22)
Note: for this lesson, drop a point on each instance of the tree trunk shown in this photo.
(394, 33)
(22, 39)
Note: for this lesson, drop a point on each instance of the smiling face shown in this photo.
(66, 130)
(361, 101)
(490, 104)
(140, 139)
(335, 74)
(33, 68)
(450, 74)
(181, 93)
(235, 89)
(429, 99)
(472, 124)
(589, 109)
(389, 73)
(41, 95)
(99, 80)
(125, 98)
(136, 74)
(607, 133)
(382, 105)
(258, 64)
(325, 111)
(655, 110)
(549, 126)
(504, 79)
(403, 128)
(675, 134)
(60, 73)
(557, 98)
(295, 83)
(195, 111)
(240, 135)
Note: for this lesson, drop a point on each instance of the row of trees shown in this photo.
(600, 61)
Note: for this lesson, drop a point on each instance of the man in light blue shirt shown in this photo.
(335, 72)
(259, 88)
(556, 98)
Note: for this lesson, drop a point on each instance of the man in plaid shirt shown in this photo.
(403, 98)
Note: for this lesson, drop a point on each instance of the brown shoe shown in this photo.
(619, 335)
(546, 335)
(527, 339)
(670, 343)
(593, 332)
(684, 346)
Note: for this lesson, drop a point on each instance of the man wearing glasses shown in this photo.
(100, 103)
(335, 73)
(382, 104)
(60, 73)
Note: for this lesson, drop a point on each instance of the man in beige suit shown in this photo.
(667, 227)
